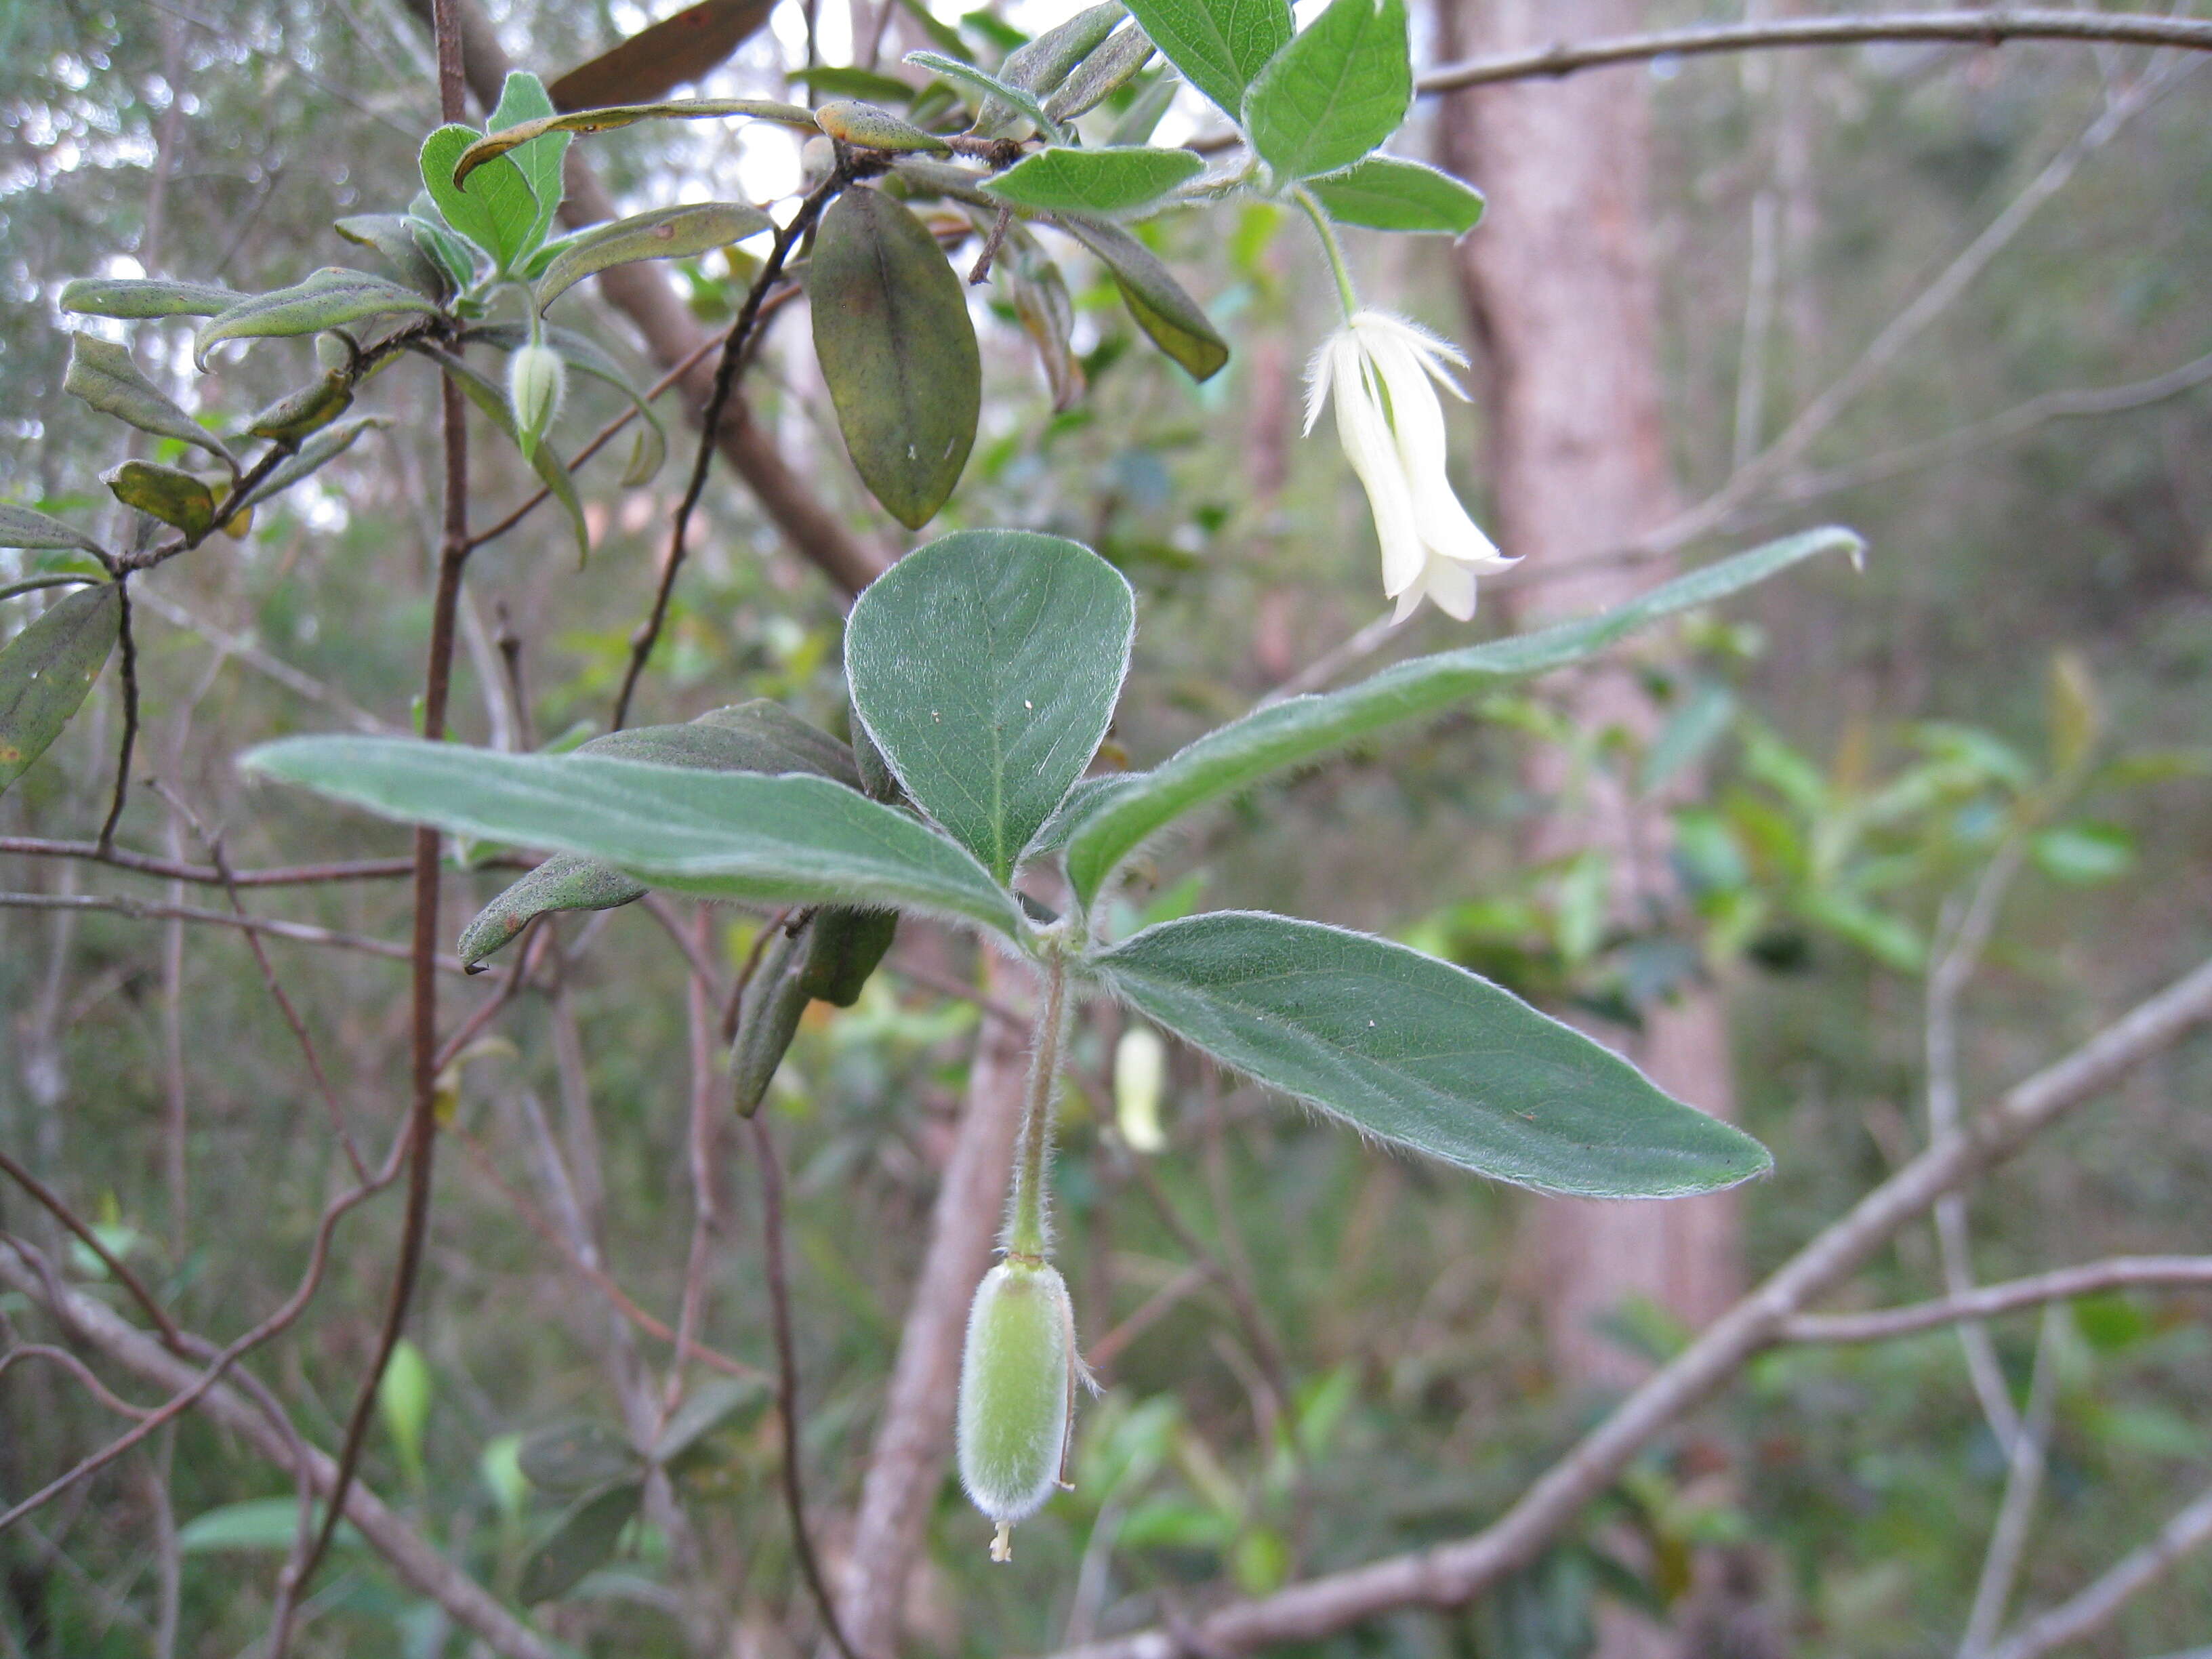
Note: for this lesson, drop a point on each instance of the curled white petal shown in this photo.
(1368, 445)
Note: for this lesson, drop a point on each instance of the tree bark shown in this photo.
(1560, 285)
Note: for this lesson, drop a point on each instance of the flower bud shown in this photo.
(1016, 1389)
(536, 378)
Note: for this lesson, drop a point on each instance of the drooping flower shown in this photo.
(1382, 372)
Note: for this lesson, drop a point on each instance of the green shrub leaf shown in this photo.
(734, 835)
(46, 670)
(1424, 1054)
(1303, 728)
(898, 352)
(1102, 182)
(1220, 46)
(986, 666)
(1333, 94)
(1385, 193)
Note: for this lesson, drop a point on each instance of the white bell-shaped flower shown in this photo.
(1383, 373)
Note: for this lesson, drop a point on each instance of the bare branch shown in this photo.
(297, 875)
(2119, 1272)
(422, 1568)
(149, 911)
(2023, 1486)
(1992, 28)
(2094, 1608)
(1450, 1574)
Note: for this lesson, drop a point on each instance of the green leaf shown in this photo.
(705, 1409)
(1102, 182)
(523, 97)
(1304, 728)
(583, 1538)
(393, 236)
(331, 298)
(167, 493)
(133, 297)
(1101, 75)
(1334, 92)
(104, 375)
(1424, 1054)
(566, 881)
(258, 1523)
(572, 1458)
(674, 232)
(318, 451)
(758, 736)
(1385, 193)
(1173, 321)
(851, 121)
(736, 835)
(898, 352)
(495, 208)
(990, 89)
(1220, 46)
(1039, 66)
(309, 410)
(986, 666)
(20, 526)
(46, 670)
(452, 254)
(545, 460)
(2084, 853)
(484, 150)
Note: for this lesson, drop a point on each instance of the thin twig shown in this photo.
(127, 667)
(699, 1147)
(151, 910)
(2023, 1486)
(1452, 1574)
(51, 1202)
(1992, 28)
(421, 1133)
(2093, 1608)
(619, 1299)
(787, 1373)
(77, 1368)
(2119, 1272)
(725, 380)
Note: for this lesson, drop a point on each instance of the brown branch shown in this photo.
(150, 911)
(418, 1566)
(421, 1130)
(2120, 1273)
(710, 424)
(1450, 1575)
(172, 1338)
(207, 875)
(1992, 28)
(2134, 1572)
(128, 667)
(786, 1378)
(77, 1368)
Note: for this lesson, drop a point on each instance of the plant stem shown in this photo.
(1347, 294)
(1027, 1236)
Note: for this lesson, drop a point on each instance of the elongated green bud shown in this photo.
(536, 378)
(1017, 1390)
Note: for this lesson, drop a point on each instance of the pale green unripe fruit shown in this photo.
(1016, 1389)
(536, 378)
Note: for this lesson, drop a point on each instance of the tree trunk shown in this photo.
(1560, 281)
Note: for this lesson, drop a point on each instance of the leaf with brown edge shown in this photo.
(898, 352)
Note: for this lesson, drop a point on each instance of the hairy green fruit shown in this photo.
(1016, 1392)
